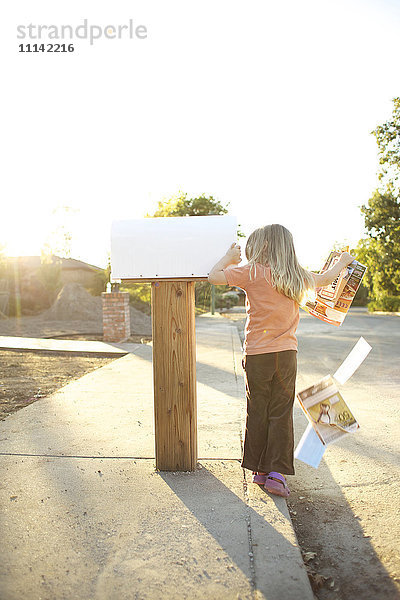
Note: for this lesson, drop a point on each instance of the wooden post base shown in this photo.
(174, 369)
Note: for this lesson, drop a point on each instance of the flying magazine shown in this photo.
(327, 411)
(332, 302)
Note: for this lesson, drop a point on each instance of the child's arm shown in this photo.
(232, 257)
(323, 279)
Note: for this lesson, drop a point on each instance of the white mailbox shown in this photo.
(169, 247)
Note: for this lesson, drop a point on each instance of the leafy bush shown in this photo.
(385, 304)
(99, 282)
(227, 299)
(361, 297)
(139, 296)
(49, 276)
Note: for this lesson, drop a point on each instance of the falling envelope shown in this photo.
(310, 449)
(353, 361)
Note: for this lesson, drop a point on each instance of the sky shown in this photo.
(267, 106)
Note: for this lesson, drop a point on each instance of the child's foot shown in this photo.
(275, 483)
(259, 478)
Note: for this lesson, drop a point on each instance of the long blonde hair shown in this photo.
(273, 246)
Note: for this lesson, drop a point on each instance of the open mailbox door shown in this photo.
(169, 247)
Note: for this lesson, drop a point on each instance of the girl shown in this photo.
(275, 284)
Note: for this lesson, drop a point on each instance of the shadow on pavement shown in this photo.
(327, 524)
(325, 518)
(230, 520)
(209, 375)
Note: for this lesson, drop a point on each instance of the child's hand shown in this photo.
(346, 259)
(233, 254)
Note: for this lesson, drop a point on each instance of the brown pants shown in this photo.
(270, 389)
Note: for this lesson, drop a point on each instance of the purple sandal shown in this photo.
(260, 479)
(276, 484)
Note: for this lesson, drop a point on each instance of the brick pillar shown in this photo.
(116, 316)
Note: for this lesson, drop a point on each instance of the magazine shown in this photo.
(333, 301)
(327, 411)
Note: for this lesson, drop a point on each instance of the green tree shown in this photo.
(60, 237)
(380, 251)
(388, 140)
(49, 274)
(182, 206)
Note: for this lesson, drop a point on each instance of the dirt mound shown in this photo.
(140, 323)
(75, 302)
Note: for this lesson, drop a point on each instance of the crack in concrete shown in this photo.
(250, 538)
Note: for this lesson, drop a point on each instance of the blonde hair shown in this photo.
(273, 246)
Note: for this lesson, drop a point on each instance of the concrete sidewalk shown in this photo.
(85, 515)
(10, 342)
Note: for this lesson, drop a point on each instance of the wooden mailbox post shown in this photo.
(174, 375)
(172, 253)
